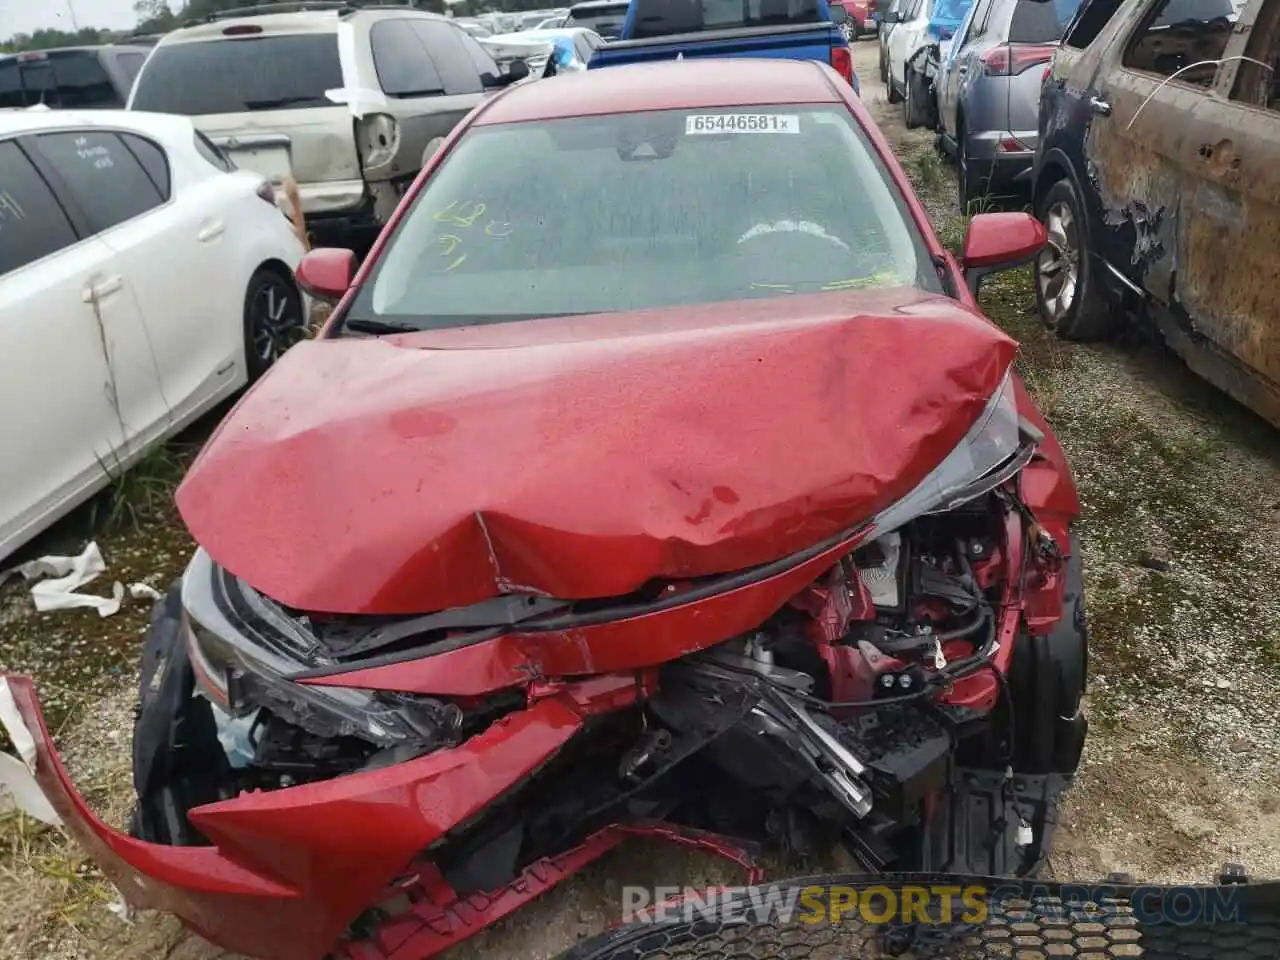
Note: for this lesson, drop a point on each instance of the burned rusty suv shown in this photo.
(1157, 180)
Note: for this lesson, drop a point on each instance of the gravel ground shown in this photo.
(1181, 490)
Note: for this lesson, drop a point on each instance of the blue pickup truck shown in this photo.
(777, 29)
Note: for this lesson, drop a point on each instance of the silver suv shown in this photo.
(346, 102)
(989, 91)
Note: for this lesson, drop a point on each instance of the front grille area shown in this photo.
(921, 917)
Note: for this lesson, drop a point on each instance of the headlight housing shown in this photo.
(243, 648)
(994, 450)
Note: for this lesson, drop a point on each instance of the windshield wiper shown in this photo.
(281, 102)
(379, 327)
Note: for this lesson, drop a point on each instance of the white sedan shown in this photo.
(143, 280)
(535, 47)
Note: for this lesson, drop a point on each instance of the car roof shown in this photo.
(310, 21)
(92, 50)
(159, 125)
(671, 84)
(297, 22)
(588, 5)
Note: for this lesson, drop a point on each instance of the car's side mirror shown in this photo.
(518, 71)
(839, 15)
(326, 273)
(1000, 241)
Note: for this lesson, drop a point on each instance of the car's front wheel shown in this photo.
(1067, 294)
(273, 319)
(916, 108)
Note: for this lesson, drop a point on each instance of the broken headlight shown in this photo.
(993, 451)
(244, 647)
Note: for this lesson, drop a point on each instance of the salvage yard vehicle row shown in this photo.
(626, 594)
(143, 280)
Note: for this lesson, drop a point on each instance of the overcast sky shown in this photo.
(24, 16)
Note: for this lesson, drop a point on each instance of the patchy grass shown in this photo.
(927, 171)
(52, 891)
(142, 493)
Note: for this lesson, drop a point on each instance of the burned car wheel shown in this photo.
(1069, 300)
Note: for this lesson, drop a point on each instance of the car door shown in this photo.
(1229, 229)
(900, 39)
(957, 63)
(1152, 85)
(429, 71)
(118, 201)
(177, 249)
(980, 99)
(65, 388)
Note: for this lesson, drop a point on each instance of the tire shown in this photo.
(1048, 678)
(884, 68)
(273, 319)
(915, 109)
(894, 96)
(1070, 301)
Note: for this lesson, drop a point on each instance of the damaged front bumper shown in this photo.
(288, 871)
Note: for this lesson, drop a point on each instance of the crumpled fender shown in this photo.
(290, 869)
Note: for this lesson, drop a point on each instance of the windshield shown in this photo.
(606, 21)
(71, 79)
(656, 18)
(1041, 21)
(645, 210)
(234, 76)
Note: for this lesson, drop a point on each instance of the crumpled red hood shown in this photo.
(582, 457)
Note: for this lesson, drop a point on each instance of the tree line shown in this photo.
(157, 16)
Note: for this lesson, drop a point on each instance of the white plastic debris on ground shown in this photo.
(68, 575)
(17, 779)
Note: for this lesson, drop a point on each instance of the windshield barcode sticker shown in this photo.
(742, 123)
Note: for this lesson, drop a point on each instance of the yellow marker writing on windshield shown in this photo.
(462, 212)
(491, 232)
(449, 242)
(785, 287)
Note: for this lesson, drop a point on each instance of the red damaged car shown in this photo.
(656, 474)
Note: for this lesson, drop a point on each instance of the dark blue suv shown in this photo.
(1157, 175)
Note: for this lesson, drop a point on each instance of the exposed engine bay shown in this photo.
(840, 719)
